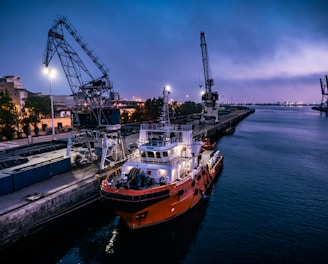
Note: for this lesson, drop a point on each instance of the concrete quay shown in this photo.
(227, 120)
(27, 210)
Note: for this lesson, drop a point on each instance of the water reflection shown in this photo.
(74, 238)
(105, 239)
(95, 234)
(165, 243)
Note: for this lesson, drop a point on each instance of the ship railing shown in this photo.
(158, 142)
(182, 127)
(160, 126)
(161, 162)
(137, 157)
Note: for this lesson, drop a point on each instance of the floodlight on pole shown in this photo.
(51, 72)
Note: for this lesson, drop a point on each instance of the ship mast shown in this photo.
(165, 115)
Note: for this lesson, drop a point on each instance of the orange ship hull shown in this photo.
(151, 206)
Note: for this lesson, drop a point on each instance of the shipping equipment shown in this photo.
(324, 93)
(95, 118)
(209, 98)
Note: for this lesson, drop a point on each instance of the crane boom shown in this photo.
(209, 82)
(324, 92)
(209, 97)
(91, 94)
(94, 116)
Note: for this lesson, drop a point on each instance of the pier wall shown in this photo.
(226, 121)
(18, 223)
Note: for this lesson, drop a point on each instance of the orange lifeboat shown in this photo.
(208, 145)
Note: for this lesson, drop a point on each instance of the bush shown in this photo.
(8, 132)
(36, 131)
(26, 130)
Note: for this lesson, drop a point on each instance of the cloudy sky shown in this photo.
(259, 50)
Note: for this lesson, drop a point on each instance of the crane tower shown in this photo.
(324, 93)
(92, 95)
(209, 97)
(95, 119)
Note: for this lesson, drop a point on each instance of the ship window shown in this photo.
(150, 154)
(143, 154)
(158, 155)
(165, 154)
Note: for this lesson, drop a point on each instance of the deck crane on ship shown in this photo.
(95, 119)
(209, 98)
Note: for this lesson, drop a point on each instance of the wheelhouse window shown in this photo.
(150, 154)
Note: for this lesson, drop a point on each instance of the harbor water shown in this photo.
(269, 205)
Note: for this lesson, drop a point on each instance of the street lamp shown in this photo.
(51, 72)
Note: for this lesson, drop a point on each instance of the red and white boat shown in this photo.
(208, 145)
(165, 177)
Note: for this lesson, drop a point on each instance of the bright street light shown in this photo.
(51, 72)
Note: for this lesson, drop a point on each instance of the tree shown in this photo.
(125, 117)
(153, 108)
(41, 105)
(35, 107)
(30, 118)
(137, 115)
(26, 121)
(188, 108)
(8, 115)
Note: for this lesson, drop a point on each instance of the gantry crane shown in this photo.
(209, 97)
(92, 96)
(324, 93)
(94, 116)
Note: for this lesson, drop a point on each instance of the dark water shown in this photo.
(270, 205)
